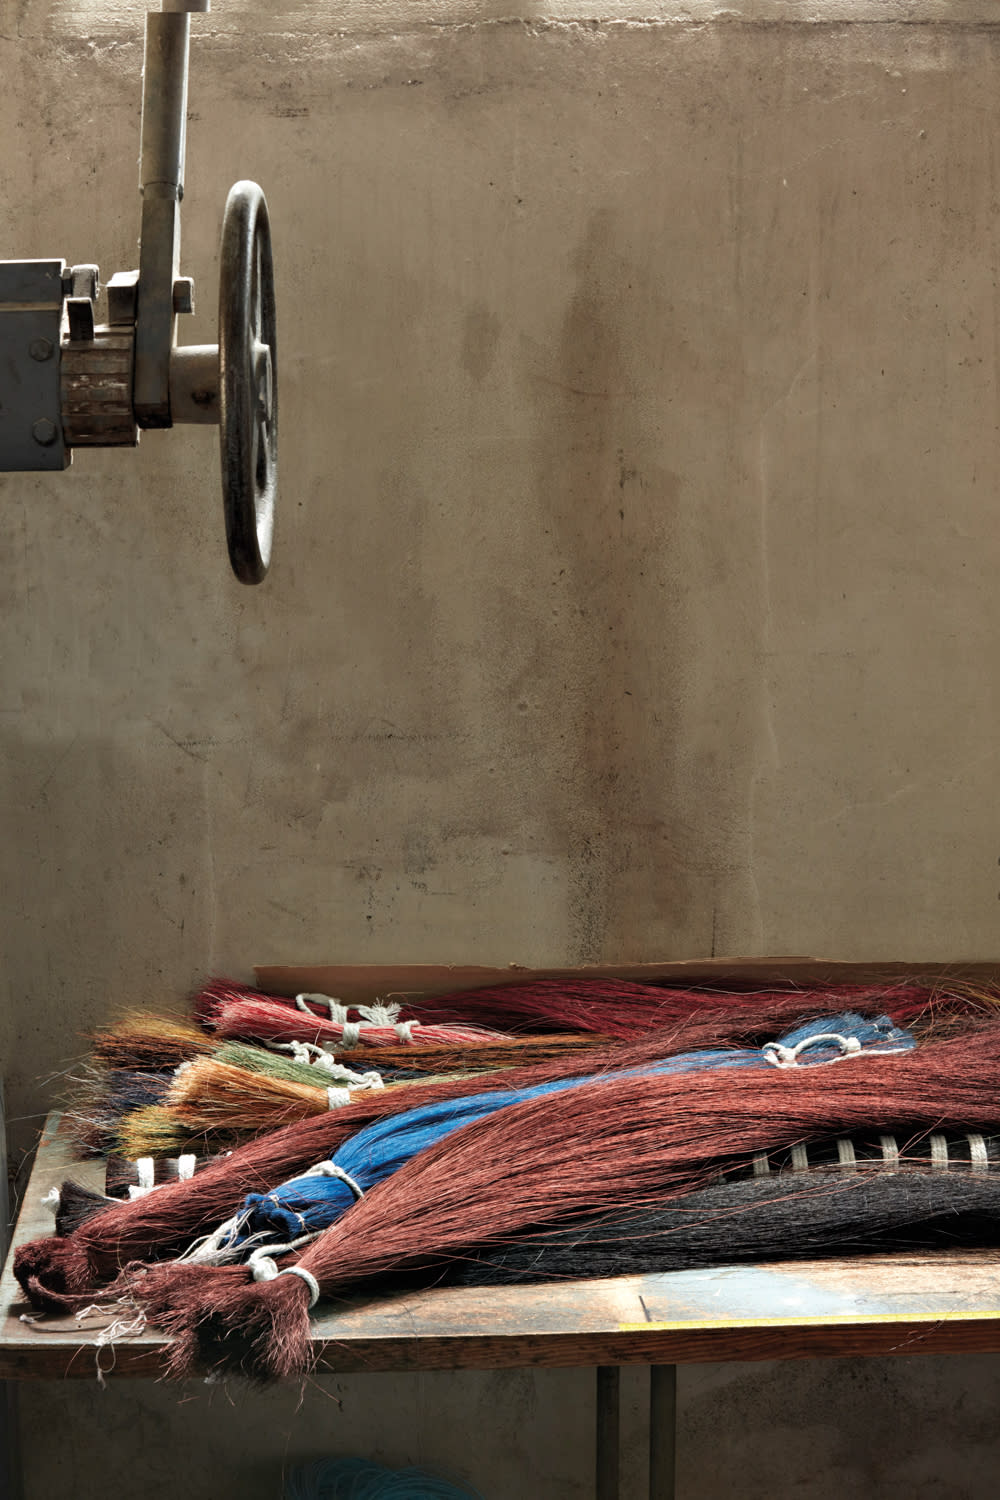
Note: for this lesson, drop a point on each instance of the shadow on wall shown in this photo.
(652, 806)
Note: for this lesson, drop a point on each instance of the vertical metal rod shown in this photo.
(607, 1434)
(662, 1431)
(161, 182)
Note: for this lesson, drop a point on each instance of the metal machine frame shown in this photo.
(69, 382)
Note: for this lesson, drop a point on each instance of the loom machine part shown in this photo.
(67, 381)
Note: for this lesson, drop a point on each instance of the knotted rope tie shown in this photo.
(788, 1057)
(330, 1169)
(264, 1267)
(322, 1169)
(388, 1015)
(338, 1011)
(311, 1055)
(373, 1017)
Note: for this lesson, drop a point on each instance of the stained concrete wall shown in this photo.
(633, 594)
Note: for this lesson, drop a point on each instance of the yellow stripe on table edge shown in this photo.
(697, 1325)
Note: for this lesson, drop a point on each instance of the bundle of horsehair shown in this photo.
(235, 1092)
(843, 1196)
(312, 1201)
(167, 1221)
(618, 1008)
(546, 1160)
(213, 1104)
(104, 1095)
(378, 1026)
(127, 1178)
(205, 1101)
(141, 1043)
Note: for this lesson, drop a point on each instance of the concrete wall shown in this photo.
(633, 594)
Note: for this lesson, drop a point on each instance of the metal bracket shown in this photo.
(31, 316)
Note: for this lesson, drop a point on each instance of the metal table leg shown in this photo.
(608, 1424)
(662, 1431)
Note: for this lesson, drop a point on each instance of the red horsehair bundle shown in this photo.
(375, 1026)
(616, 1008)
(544, 1161)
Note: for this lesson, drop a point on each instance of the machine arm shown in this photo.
(69, 382)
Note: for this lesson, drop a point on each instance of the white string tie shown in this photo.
(978, 1154)
(939, 1153)
(263, 1265)
(145, 1166)
(330, 1169)
(404, 1030)
(51, 1200)
(187, 1165)
(216, 1248)
(890, 1151)
(781, 1056)
(337, 1098)
(379, 1015)
(314, 1056)
(338, 1012)
(262, 1262)
(846, 1156)
(351, 1034)
(308, 1278)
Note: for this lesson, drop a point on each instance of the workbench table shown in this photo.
(935, 1303)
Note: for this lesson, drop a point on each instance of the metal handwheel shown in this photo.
(248, 390)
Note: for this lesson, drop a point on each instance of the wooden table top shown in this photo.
(945, 1302)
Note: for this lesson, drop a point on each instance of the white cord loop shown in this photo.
(330, 1169)
(309, 1280)
(264, 1267)
(378, 1016)
(781, 1056)
(338, 1012)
